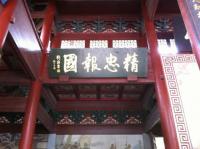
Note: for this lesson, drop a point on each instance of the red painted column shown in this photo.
(35, 92)
(189, 24)
(5, 19)
(166, 115)
(47, 25)
(30, 116)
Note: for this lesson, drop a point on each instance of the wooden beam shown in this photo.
(121, 91)
(49, 97)
(1, 8)
(98, 92)
(13, 77)
(76, 91)
(17, 128)
(102, 91)
(17, 104)
(148, 97)
(148, 80)
(98, 129)
(26, 38)
(151, 6)
(63, 106)
(37, 14)
(113, 17)
(12, 104)
(45, 118)
(5, 19)
(152, 119)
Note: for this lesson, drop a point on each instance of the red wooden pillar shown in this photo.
(35, 92)
(190, 25)
(30, 116)
(5, 19)
(166, 115)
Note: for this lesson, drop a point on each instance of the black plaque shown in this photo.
(106, 63)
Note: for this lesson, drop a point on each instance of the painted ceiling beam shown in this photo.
(151, 6)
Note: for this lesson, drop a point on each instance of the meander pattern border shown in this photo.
(175, 97)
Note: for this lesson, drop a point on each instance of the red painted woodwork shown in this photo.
(1, 8)
(46, 80)
(26, 38)
(17, 128)
(30, 116)
(134, 105)
(120, 7)
(47, 25)
(168, 125)
(12, 104)
(92, 17)
(189, 24)
(18, 104)
(35, 93)
(15, 77)
(45, 118)
(151, 7)
(152, 119)
(98, 129)
(5, 19)
(49, 97)
(106, 17)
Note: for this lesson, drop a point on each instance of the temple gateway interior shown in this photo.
(99, 74)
